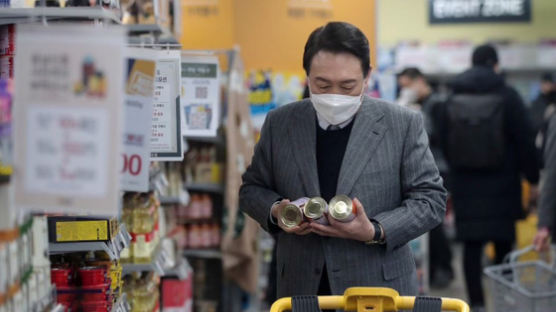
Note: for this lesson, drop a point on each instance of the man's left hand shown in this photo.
(360, 228)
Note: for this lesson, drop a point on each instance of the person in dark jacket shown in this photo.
(546, 99)
(412, 81)
(542, 109)
(547, 204)
(487, 201)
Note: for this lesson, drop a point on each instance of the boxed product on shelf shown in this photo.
(6, 141)
(23, 284)
(65, 229)
(39, 242)
(3, 271)
(177, 295)
(6, 67)
(7, 40)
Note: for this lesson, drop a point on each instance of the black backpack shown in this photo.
(475, 137)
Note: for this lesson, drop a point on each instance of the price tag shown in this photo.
(68, 126)
(138, 108)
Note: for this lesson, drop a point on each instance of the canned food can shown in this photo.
(342, 208)
(315, 209)
(92, 275)
(61, 276)
(292, 214)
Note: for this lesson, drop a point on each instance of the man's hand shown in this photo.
(360, 228)
(302, 229)
(542, 239)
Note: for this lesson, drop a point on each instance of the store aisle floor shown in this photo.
(457, 287)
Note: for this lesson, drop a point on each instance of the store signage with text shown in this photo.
(166, 137)
(479, 11)
(67, 127)
(138, 112)
(200, 95)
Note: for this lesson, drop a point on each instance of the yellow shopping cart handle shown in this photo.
(366, 299)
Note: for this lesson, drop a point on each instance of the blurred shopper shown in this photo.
(547, 205)
(340, 142)
(489, 145)
(422, 98)
(542, 109)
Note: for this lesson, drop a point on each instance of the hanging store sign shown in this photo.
(68, 118)
(200, 95)
(138, 112)
(479, 11)
(166, 137)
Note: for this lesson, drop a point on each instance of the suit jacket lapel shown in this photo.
(303, 135)
(366, 134)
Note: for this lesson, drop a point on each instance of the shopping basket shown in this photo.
(369, 299)
(528, 286)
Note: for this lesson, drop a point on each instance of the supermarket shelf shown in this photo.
(158, 181)
(122, 305)
(212, 140)
(203, 253)
(58, 308)
(156, 265)
(182, 270)
(205, 187)
(13, 16)
(162, 34)
(183, 199)
(138, 29)
(185, 221)
(112, 248)
(47, 303)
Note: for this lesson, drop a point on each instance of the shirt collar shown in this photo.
(323, 124)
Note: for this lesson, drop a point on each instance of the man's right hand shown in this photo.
(542, 239)
(302, 229)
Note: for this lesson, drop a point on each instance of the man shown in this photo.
(542, 109)
(489, 146)
(422, 98)
(545, 100)
(547, 206)
(340, 142)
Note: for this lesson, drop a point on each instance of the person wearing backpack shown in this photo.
(489, 145)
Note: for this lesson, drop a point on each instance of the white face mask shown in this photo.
(407, 97)
(336, 108)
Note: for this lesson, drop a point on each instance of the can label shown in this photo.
(342, 208)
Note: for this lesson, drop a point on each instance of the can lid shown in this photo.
(315, 208)
(341, 207)
(291, 216)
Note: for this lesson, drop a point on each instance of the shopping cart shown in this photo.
(528, 286)
(363, 299)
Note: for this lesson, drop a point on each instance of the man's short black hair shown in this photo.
(485, 55)
(412, 73)
(547, 77)
(338, 37)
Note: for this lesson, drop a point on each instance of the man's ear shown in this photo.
(367, 78)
